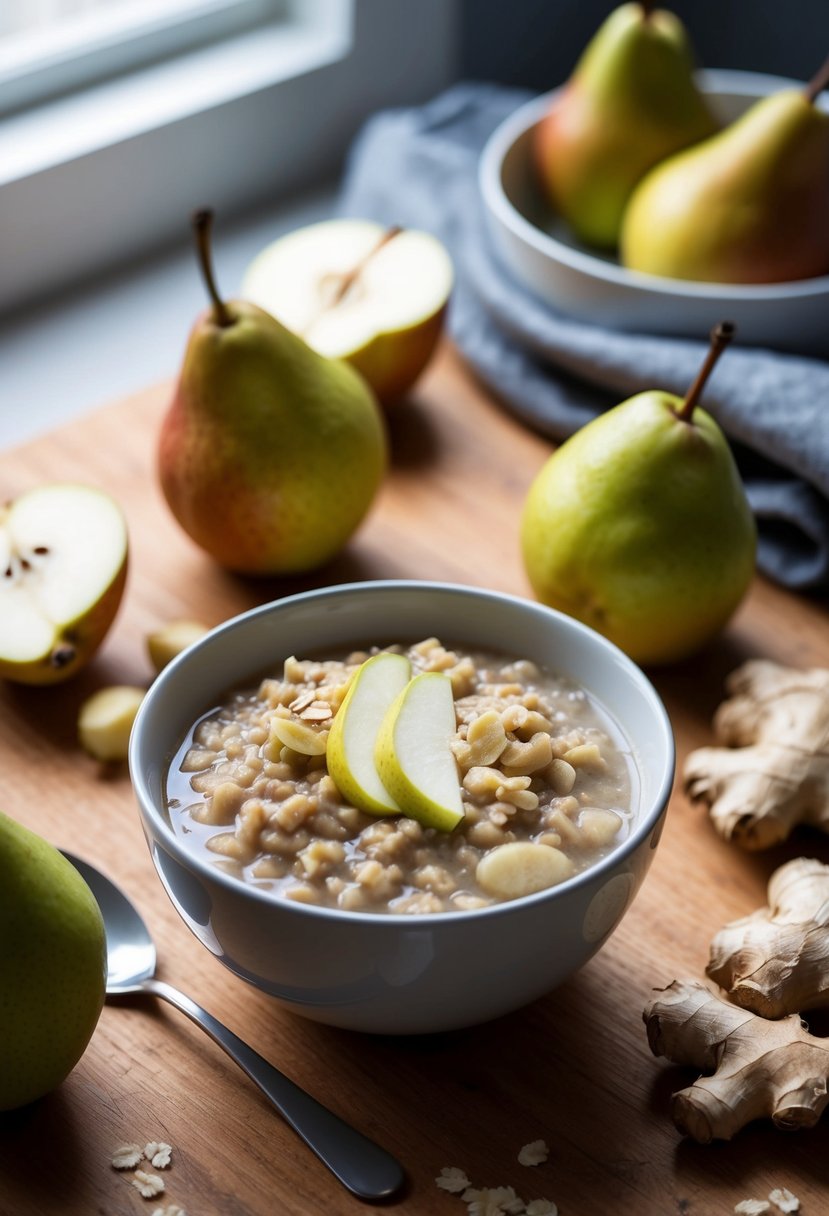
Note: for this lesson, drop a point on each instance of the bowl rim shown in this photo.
(496, 200)
(643, 827)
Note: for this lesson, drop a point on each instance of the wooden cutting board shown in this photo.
(573, 1069)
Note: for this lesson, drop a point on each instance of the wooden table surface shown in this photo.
(574, 1068)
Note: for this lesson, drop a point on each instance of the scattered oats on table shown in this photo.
(126, 1156)
(158, 1154)
(541, 1207)
(148, 1185)
(535, 1153)
(493, 1201)
(452, 1179)
(784, 1200)
(752, 1207)
(172, 1209)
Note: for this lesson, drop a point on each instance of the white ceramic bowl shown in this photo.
(399, 974)
(540, 251)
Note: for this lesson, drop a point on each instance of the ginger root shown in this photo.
(776, 961)
(760, 1069)
(773, 770)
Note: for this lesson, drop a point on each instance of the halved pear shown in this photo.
(353, 735)
(63, 566)
(355, 290)
(413, 753)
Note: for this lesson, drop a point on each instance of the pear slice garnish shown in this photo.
(351, 740)
(413, 753)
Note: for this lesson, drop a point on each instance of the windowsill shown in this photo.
(67, 128)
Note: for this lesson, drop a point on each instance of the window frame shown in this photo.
(37, 64)
(104, 176)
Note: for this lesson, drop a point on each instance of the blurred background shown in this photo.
(534, 43)
(118, 117)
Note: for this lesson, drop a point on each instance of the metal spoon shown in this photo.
(367, 1170)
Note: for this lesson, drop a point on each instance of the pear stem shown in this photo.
(721, 335)
(818, 82)
(350, 277)
(647, 8)
(203, 226)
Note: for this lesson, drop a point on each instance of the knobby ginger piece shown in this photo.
(776, 961)
(773, 770)
(759, 1068)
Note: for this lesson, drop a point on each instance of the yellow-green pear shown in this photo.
(63, 568)
(52, 965)
(270, 454)
(353, 734)
(414, 756)
(750, 205)
(630, 102)
(639, 526)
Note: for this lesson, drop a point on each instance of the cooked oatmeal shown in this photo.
(544, 778)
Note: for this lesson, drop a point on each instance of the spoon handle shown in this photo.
(367, 1170)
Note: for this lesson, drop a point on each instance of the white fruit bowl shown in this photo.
(384, 973)
(537, 247)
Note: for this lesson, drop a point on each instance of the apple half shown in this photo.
(63, 567)
(353, 734)
(413, 752)
(355, 290)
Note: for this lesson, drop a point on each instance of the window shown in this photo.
(124, 115)
(48, 47)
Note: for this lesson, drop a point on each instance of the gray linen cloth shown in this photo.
(418, 168)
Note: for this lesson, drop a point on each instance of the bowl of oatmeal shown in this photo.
(379, 920)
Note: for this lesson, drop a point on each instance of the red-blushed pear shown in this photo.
(63, 568)
(52, 965)
(639, 526)
(354, 290)
(630, 102)
(270, 454)
(750, 205)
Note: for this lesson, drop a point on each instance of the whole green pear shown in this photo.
(749, 205)
(638, 525)
(52, 965)
(270, 454)
(630, 102)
